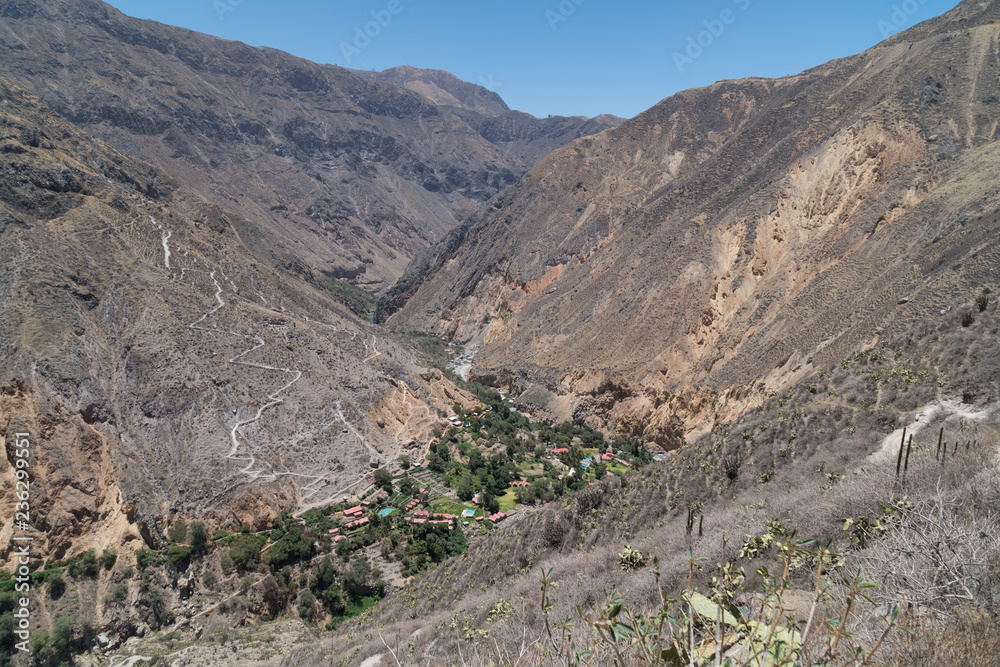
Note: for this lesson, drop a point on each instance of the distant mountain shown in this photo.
(169, 356)
(657, 276)
(442, 88)
(355, 173)
(522, 135)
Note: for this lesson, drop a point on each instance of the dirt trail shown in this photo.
(239, 448)
(165, 235)
(889, 449)
(375, 352)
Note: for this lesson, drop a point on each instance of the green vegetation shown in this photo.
(432, 352)
(244, 553)
(362, 302)
(178, 555)
(108, 558)
(178, 532)
(85, 565)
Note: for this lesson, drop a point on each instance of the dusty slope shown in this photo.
(355, 174)
(168, 357)
(731, 237)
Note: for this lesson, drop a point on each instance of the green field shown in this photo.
(507, 501)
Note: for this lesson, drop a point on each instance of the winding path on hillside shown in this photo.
(239, 448)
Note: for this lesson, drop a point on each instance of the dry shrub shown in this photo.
(970, 638)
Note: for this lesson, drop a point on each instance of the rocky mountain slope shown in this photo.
(666, 272)
(171, 358)
(356, 175)
(526, 137)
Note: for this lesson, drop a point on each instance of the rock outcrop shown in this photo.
(717, 245)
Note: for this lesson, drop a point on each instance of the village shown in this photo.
(491, 465)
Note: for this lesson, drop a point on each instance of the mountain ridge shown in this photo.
(359, 175)
(675, 265)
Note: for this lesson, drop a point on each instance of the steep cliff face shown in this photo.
(722, 242)
(166, 356)
(356, 174)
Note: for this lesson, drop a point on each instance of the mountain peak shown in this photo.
(442, 88)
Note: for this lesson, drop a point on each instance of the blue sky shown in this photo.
(569, 57)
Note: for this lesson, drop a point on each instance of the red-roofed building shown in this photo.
(562, 450)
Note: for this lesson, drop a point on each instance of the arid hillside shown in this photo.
(663, 274)
(170, 358)
(355, 174)
(526, 137)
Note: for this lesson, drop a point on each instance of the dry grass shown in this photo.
(815, 442)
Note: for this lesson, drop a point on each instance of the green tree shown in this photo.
(57, 586)
(490, 503)
(336, 600)
(464, 489)
(178, 532)
(383, 480)
(178, 555)
(325, 576)
(362, 578)
(275, 596)
(145, 558)
(62, 633)
(85, 565)
(108, 558)
(294, 547)
(476, 460)
(198, 536)
(435, 462)
(245, 552)
(307, 606)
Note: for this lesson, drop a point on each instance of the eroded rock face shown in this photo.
(357, 171)
(711, 249)
(170, 358)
